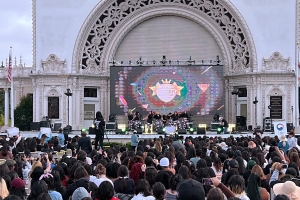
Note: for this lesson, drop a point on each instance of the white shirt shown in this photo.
(141, 197)
(98, 181)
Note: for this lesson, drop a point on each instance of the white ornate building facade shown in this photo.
(74, 41)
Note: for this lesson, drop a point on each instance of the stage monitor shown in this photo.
(166, 89)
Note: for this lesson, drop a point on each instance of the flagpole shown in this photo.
(12, 123)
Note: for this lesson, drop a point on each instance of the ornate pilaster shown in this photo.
(41, 96)
(250, 110)
(227, 108)
(81, 102)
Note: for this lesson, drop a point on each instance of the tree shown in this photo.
(23, 113)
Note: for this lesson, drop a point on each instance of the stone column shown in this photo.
(6, 107)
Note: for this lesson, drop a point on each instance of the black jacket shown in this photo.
(85, 144)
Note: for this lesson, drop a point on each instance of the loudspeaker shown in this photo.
(267, 124)
(250, 127)
(181, 131)
(91, 131)
(160, 131)
(57, 126)
(34, 126)
(110, 126)
(240, 121)
(139, 131)
(119, 131)
(289, 126)
(45, 124)
(201, 131)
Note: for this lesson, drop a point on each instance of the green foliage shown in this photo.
(23, 113)
(1, 120)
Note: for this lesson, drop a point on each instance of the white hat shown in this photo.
(283, 138)
(164, 162)
(288, 188)
(223, 144)
(46, 131)
(13, 131)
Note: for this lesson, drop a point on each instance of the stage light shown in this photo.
(191, 130)
(93, 125)
(164, 130)
(219, 130)
(124, 129)
(83, 130)
(202, 126)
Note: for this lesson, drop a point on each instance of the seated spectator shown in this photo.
(283, 144)
(5, 152)
(237, 185)
(37, 188)
(173, 183)
(164, 163)
(80, 193)
(159, 191)
(142, 191)
(49, 180)
(123, 184)
(254, 191)
(190, 189)
(84, 143)
(105, 192)
(288, 188)
(100, 173)
(18, 188)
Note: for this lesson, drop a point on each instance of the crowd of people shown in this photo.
(245, 168)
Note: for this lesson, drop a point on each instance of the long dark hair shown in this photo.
(57, 181)
(37, 188)
(36, 174)
(253, 187)
(142, 187)
(4, 150)
(99, 115)
(105, 191)
(122, 172)
(159, 191)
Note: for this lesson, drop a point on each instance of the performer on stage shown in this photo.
(137, 116)
(99, 126)
(150, 117)
(157, 116)
(175, 116)
(224, 124)
(184, 115)
(130, 118)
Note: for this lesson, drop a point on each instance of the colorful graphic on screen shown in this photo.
(196, 89)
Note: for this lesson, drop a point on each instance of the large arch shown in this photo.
(110, 21)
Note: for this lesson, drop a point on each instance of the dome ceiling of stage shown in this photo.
(176, 37)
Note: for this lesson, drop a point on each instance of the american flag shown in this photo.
(9, 68)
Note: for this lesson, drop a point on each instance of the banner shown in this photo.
(280, 128)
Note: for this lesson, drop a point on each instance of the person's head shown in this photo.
(56, 179)
(142, 187)
(80, 172)
(159, 191)
(13, 197)
(150, 174)
(80, 193)
(174, 181)
(81, 156)
(100, 170)
(258, 170)
(215, 194)
(3, 170)
(36, 174)
(184, 172)
(112, 170)
(3, 188)
(190, 189)
(253, 186)
(236, 184)
(281, 197)
(49, 180)
(60, 170)
(99, 115)
(105, 191)
(38, 188)
(18, 188)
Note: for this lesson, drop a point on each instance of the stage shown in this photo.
(124, 138)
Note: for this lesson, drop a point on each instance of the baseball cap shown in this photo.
(18, 183)
(10, 162)
(233, 164)
(190, 189)
(164, 162)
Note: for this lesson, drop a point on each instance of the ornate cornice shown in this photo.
(221, 18)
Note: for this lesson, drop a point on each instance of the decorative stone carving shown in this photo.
(276, 63)
(53, 92)
(109, 15)
(53, 65)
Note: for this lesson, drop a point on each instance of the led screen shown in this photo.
(166, 89)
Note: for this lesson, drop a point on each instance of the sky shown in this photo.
(16, 30)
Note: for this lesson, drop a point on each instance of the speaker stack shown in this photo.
(201, 131)
(267, 124)
(289, 126)
(181, 131)
(241, 123)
